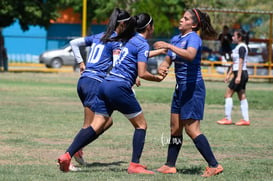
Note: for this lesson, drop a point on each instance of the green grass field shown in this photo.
(40, 113)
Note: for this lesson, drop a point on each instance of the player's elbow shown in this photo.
(141, 75)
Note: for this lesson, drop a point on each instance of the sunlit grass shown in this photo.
(40, 114)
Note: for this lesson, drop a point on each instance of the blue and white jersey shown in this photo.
(187, 71)
(134, 51)
(100, 57)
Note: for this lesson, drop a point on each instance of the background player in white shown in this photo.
(239, 80)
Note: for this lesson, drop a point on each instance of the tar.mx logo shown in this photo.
(166, 140)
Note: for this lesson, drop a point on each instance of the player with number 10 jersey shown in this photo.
(100, 57)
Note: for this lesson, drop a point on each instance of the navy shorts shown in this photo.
(116, 95)
(87, 91)
(189, 100)
(242, 85)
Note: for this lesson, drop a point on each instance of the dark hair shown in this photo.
(127, 32)
(243, 34)
(225, 27)
(142, 21)
(116, 17)
(203, 22)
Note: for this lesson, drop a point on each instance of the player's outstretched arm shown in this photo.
(144, 74)
(160, 51)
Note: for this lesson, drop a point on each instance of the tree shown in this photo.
(164, 12)
(27, 12)
(30, 12)
(258, 23)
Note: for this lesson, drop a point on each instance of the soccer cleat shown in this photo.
(166, 169)
(78, 156)
(73, 168)
(212, 171)
(242, 123)
(64, 162)
(224, 121)
(138, 169)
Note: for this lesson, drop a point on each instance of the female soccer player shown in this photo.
(115, 93)
(239, 80)
(189, 96)
(99, 61)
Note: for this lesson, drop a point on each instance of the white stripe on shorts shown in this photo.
(132, 115)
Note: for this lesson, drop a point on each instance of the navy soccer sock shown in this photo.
(173, 150)
(83, 138)
(138, 144)
(203, 147)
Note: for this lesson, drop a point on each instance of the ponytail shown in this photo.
(111, 25)
(203, 23)
(138, 22)
(127, 33)
(116, 17)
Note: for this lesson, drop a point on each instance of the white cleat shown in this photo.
(72, 168)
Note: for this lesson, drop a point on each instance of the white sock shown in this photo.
(228, 107)
(244, 109)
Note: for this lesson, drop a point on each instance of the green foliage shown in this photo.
(29, 12)
(166, 13)
(220, 19)
(105, 9)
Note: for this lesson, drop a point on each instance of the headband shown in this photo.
(125, 19)
(146, 24)
(197, 14)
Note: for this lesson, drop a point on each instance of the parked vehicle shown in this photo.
(57, 58)
(257, 53)
(64, 56)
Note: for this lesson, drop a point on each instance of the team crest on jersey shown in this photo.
(146, 53)
(183, 44)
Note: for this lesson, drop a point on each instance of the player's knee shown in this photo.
(192, 133)
(141, 125)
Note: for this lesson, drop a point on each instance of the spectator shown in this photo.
(226, 39)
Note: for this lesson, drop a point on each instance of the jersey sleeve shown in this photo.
(75, 45)
(89, 40)
(195, 42)
(242, 52)
(143, 53)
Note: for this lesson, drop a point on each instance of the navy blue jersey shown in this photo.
(100, 57)
(134, 51)
(187, 71)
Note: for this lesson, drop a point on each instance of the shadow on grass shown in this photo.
(195, 170)
(191, 171)
(94, 167)
(99, 164)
